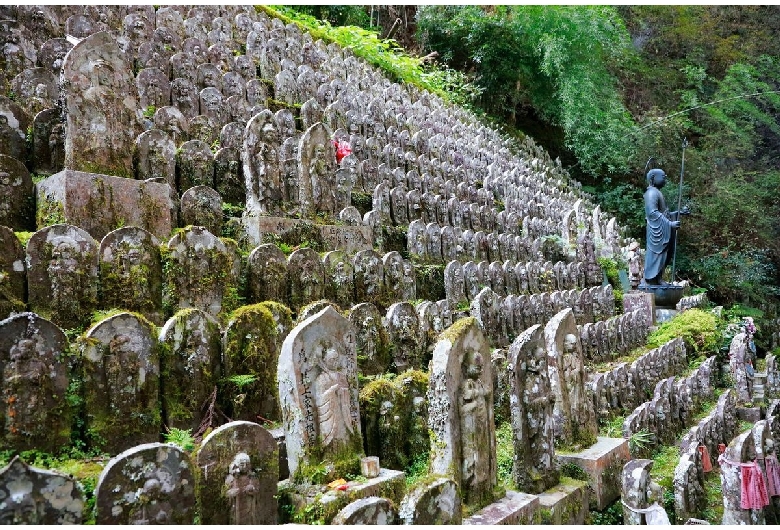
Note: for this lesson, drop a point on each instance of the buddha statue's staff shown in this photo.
(679, 205)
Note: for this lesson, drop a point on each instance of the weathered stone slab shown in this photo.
(33, 384)
(62, 274)
(201, 272)
(644, 302)
(249, 347)
(131, 272)
(13, 273)
(239, 468)
(389, 484)
(566, 503)
(101, 107)
(29, 495)
(460, 414)
(191, 367)
(148, 484)
(17, 198)
(318, 390)
(514, 508)
(371, 510)
(101, 203)
(121, 378)
(435, 503)
(603, 462)
(531, 409)
(350, 239)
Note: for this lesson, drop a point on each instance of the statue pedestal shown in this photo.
(315, 503)
(666, 296)
(350, 239)
(663, 315)
(645, 302)
(514, 508)
(603, 462)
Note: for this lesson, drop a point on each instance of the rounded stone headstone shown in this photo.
(29, 495)
(17, 195)
(13, 276)
(371, 510)
(62, 274)
(149, 484)
(267, 273)
(101, 107)
(192, 369)
(434, 503)
(249, 347)
(121, 378)
(131, 272)
(33, 384)
(318, 391)
(202, 206)
(239, 470)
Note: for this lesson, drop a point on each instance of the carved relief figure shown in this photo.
(473, 421)
(242, 489)
(332, 398)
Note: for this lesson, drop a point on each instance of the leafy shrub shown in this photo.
(699, 330)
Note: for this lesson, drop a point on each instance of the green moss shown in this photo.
(362, 201)
(458, 329)
(573, 471)
(251, 348)
(49, 212)
(430, 281)
(696, 327)
(505, 454)
(23, 237)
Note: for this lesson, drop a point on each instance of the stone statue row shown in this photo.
(626, 386)
(675, 401)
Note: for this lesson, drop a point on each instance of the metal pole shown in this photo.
(679, 205)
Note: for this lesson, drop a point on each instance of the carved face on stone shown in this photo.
(23, 350)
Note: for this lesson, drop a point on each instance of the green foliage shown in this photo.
(336, 15)
(640, 441)
(612, 428)
(418, 469)
(149, 111)
(242, 380)
(611, 515)
(574, 471)
(505, 453)
(385, 54)
(696, 327)
(551, 58)
(182, 438)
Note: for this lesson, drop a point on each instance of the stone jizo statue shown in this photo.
(661, 227)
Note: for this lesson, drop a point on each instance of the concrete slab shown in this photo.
(319, 504)
(566, 503)
(603, 463)
(514, 508)
(351, 239)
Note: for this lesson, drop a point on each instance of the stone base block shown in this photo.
(320, 504)
(566, 503)
(514, 508)
(350, 239)
(751, 414)
(642, 301)
(101, 203)
(284, 469)
(603, 463)
(664, 315)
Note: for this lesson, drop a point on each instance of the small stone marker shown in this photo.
(29, 495)
(239, 469)
(148, 484)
